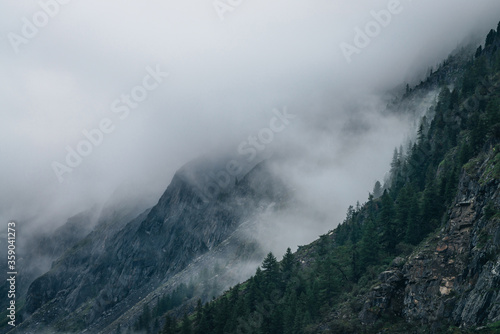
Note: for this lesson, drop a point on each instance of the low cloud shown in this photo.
(225, 78)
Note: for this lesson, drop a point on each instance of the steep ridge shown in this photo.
(211, 274)
(37, 251)
(107, 270)
(420, 256)
(453, 278)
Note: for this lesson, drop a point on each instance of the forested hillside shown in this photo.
(421, 255)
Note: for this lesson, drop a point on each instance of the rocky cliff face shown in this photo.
(454, 276)
(39, 248)
(37, 251)
(112, 269)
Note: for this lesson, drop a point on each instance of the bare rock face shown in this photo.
(111, 270)
(453, 278)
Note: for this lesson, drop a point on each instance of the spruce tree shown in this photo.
(377, 190)
(287, 264)
(402, 210)
(271, 270)
(186, 325)
(369, 247)
(388, 223)
(413, 230)
(490, 38)
(170, 325)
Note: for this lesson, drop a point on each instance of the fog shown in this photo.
(227, 71)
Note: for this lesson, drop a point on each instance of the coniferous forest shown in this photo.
(301, 291)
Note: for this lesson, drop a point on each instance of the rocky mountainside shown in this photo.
(39, 250)
(115, 266)
(422, 255)
(453, 277)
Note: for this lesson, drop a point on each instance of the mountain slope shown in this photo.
(423, 257)
(106, 273)
(420, 257)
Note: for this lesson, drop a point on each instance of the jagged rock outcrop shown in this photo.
(453, 278)
(36, 251)
(106, 274)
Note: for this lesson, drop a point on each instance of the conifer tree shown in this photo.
(377, 190)
(287, 264)
(186, 325)
(490, 38)
(387, 221)
(170, 325)
(413, 230)
(369, 248)
(271, 269)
